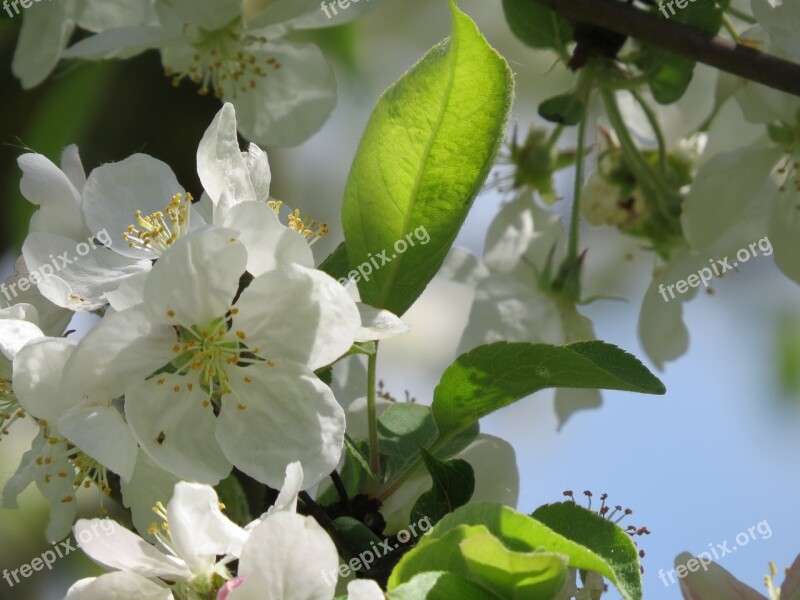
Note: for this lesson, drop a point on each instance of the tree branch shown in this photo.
(683, 40)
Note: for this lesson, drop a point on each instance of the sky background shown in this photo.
(708, 460)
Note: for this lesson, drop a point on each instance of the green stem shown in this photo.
(649, 181)
(372, 416)
(742, 16)
(726, 21)
(555, 135)
(574, 225)
(651, 117)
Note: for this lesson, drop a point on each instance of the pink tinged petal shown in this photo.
(277, 415)
(221, 166)
(173, 420)
(195, 282)
(124, 349)
(293, 101)
(38, 369)
(117, 586)
(270, 244)
(102, 433)
(713, 583)
(199, 530)
(298, 313)
(114, 192)
(226, 589)
(288, 557)
(59, 202)
(111, 545)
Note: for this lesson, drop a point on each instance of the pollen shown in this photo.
(157, 232)
(170, 313)
(307, 227)
(241, 406)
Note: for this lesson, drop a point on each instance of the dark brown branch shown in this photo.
(683, 40)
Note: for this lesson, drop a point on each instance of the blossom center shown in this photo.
(160, 230)
(10, 408)
(306, 226)
(222, 62)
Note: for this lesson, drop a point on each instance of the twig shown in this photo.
(683, 40)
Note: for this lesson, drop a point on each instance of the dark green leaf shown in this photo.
(496, 375)
(453, 486)
(536, 25)
(566, 109)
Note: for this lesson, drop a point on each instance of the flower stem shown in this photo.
(653, 120)
(574, 224)
(372, 416)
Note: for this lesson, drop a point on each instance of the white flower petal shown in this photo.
(149, 485)
(463, 267)
(123, 42)
(117, 586)
(59, 201)
(291, 103)
(176, 428)
(270, 244)
(260, 175)
(72, 167)
(288, 557)
(299, 313)
(315, 17)
(38, 369)
(782, 21)
(81, 283)
(222, 168)
(99, 15)
(14, 334)
(108, 543)
(378, 324)
(102, 433)
(208, 14)
(713, 583)
(726, 198)
(52, 319)
(662, 332)
(122, 350)
(114, 192)
(46, 28)
(130, 292)
(199, 530)
(510, 234)
(364, 589)
(292, 486)
(279, 415)
(784, 231)
(196, 281)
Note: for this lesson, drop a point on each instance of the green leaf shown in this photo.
(566, 109)
(536, 25)
(453, 486)
(427, 149)
(440, 586)
(442, 548)
(354, 474)
(599, 535)
(359, 536)
(403, 429)
(337, 264)
(496, 375)
(669, 75)
(514, 575)
(232, 495)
